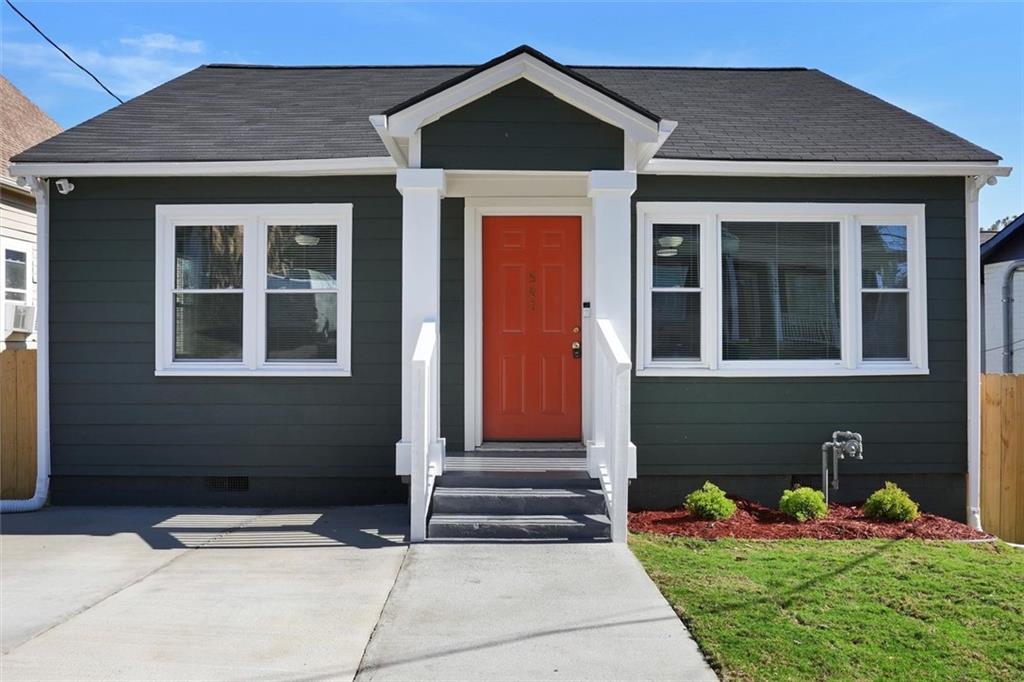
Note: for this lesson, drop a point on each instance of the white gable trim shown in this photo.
(638, 127)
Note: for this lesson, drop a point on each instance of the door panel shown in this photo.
(532, 302)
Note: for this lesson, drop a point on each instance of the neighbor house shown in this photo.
(22, 125)
(503, 291)
(1002, 295)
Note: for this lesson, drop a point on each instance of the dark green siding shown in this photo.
(452, 323)
(708, 426)
(521, 127)
(112, 417)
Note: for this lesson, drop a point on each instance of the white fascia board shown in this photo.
(380, 124)
(367, 165)
(647, 150)
(821, 168)
(597, 104)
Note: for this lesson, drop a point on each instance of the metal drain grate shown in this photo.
(227, 484)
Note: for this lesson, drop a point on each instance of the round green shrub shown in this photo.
(803, 504)
(709, 502)
(891, 502)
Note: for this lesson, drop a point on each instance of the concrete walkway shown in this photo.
(160, 594)
(245, 594)
(528, 612)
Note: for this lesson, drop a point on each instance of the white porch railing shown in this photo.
(427, 452)
(610, 456)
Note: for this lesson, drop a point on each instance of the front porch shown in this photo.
(591, 478)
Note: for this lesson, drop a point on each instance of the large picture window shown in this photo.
(253, 289)
(749, 289)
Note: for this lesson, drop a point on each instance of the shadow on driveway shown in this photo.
(368, 527)
(135, 593)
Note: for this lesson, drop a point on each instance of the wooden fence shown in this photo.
(17, 424)
(1002, 455)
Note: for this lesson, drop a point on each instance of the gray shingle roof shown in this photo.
(245, 113)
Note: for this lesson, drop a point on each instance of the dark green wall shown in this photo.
(453, 316)
(112, 417)
(911, 424)
(521, 127)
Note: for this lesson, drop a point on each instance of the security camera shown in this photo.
(64, 186)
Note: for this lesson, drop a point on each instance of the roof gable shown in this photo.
(511, 54)
(403, 120)
(521, 127)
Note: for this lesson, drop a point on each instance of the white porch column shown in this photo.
(422, 190)
(610, 193)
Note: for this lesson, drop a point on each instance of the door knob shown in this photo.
(577, 351)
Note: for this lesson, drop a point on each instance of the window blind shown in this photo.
(780, 291)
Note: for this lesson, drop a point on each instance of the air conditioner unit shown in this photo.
(20, 318)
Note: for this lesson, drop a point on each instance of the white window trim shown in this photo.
(710, 216)
(254, 219)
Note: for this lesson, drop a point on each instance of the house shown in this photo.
(1002, 286)
(505, 291)
(22, 125)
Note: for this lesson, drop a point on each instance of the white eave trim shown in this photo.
(385, 165)
(367, 165)
(821, 168)
(639, 127)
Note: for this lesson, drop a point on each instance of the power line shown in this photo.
(63, 52)
(1005, 345)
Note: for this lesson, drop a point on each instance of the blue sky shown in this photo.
(960, 65)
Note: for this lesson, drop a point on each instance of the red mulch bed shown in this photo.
(754, 521)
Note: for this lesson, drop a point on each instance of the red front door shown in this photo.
(532, 304)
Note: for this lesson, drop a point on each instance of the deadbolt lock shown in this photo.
(575, 330)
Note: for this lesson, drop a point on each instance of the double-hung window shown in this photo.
(776, 289)
(262, 289)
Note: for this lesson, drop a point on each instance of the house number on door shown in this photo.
(532, 290)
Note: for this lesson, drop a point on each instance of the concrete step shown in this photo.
(513, 478)
(517, 500)
(527, 448)
(568, 455)
(521, 464)
(519, 527)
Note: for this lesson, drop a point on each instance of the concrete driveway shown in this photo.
(116, 593)
(329, 594)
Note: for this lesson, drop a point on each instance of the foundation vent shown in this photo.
(227, 484)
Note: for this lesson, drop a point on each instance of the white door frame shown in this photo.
(476, 209)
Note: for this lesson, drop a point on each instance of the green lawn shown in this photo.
(846, 610)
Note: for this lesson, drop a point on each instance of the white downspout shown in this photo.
(973, 186)
(40, 189)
